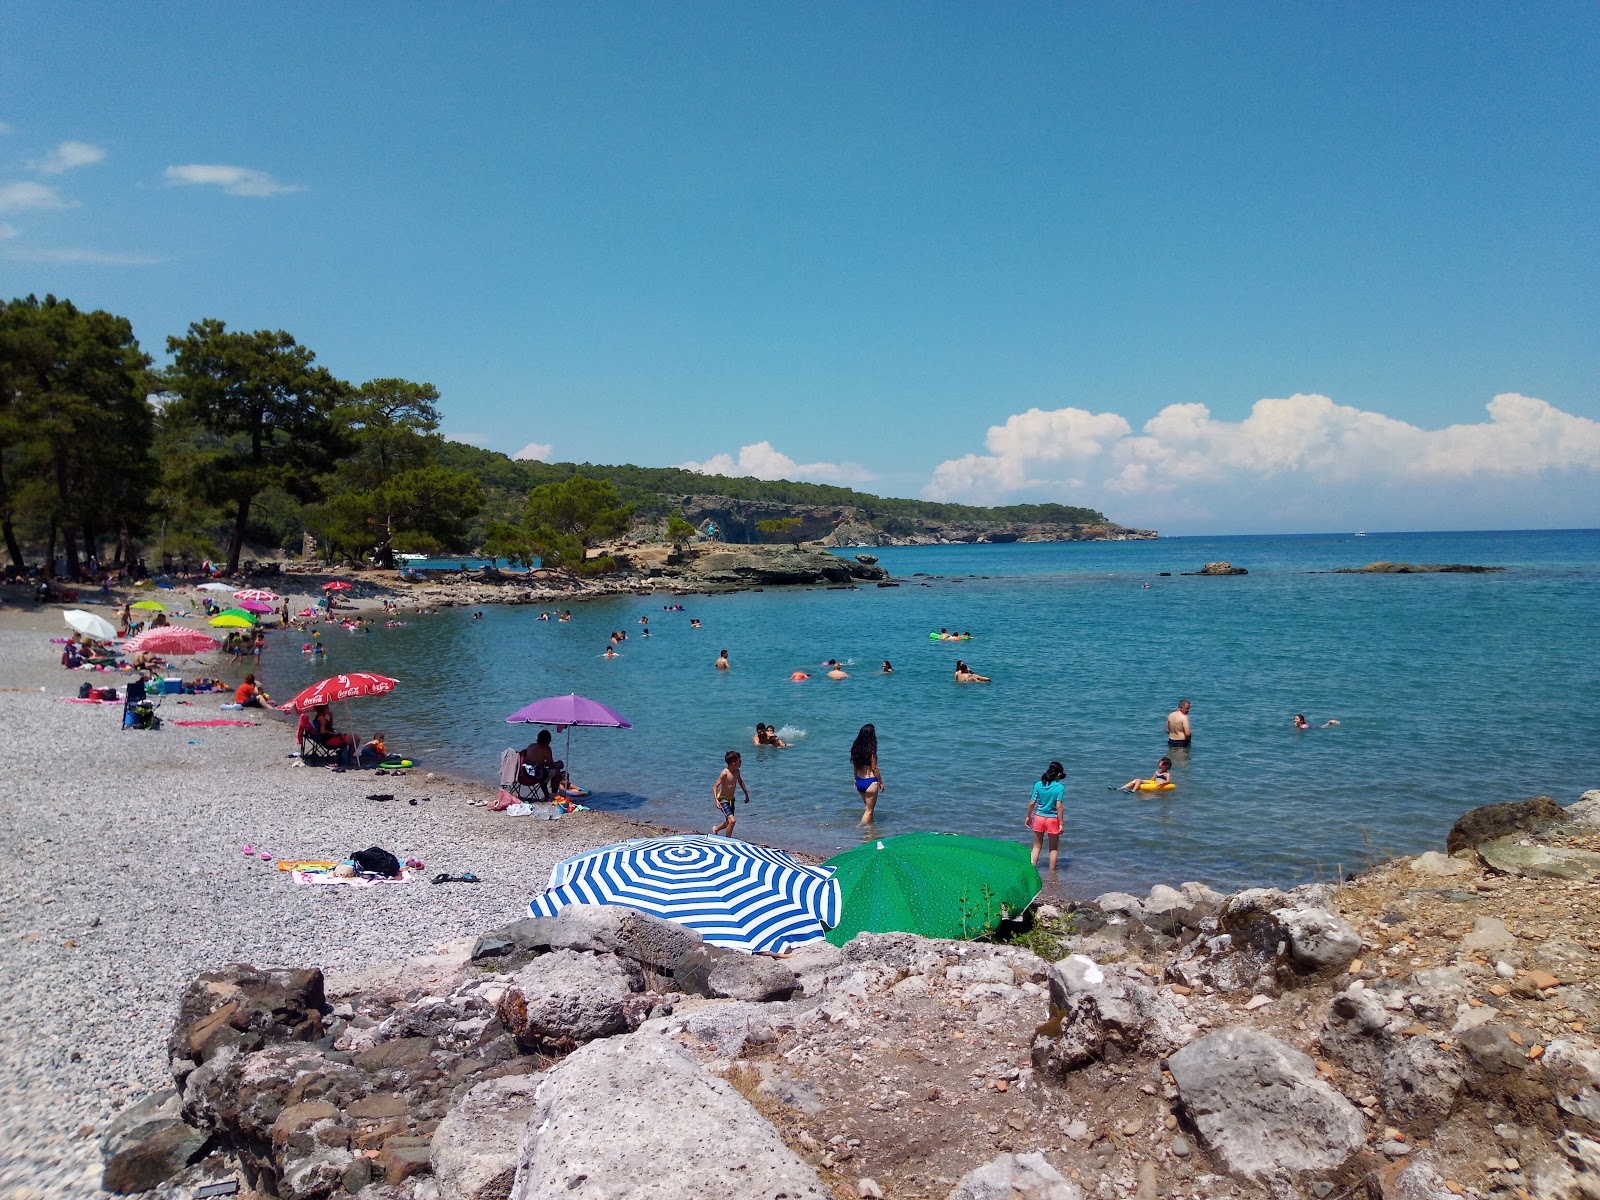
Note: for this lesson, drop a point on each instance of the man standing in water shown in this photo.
(1178, 732)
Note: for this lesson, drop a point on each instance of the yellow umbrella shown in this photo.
(229, 621)
(150, 605)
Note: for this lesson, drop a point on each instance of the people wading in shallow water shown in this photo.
(1045, 811)
(869, 777)
(1179, 733)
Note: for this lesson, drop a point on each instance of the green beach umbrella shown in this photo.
(149, 605)
(233, 619)
(937, 884)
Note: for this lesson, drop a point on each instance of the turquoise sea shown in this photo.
(1451, 691)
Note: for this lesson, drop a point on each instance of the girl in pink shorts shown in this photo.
(1044, 811)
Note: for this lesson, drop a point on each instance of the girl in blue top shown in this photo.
(1044, 811)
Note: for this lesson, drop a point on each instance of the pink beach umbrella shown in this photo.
(566, 711)
(171, 639)
(257, 596)
(255, 606)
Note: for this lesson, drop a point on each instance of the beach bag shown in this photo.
(375, 860)
(83, 691)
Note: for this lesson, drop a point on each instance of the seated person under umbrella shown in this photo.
(323, 732)
(541, 768)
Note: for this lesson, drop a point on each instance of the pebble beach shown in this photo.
(127, 878)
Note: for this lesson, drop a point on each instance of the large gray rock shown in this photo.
(1586, 812)
(1094, 1006)
(1571, 1173)
(1515, 856)
(531, 935)
(475, 1147)
(751, 977)
(1577, 1073)
(1359, 1032)
(648, 940)
(1016, 1177)
(1260, 1108)
(148, 1143)
(565, 998)
(639, 1118)
(1321, 944)
(1419, 1083)
(727, 1029)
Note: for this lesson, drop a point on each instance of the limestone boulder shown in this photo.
(1265, 942)
(648, 940)
(564, 999)
(1016, 1177)
(531, 935)
(1261, 1110)
(1519, 856)
(1094, 1007)
(751, 977)
(640, 1117)
(1586, 812)
(475, 1147)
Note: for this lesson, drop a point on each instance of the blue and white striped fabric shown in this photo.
(732, 893)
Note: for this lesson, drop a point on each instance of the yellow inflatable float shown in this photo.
(1155, 785)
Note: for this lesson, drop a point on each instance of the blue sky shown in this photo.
(1207, 268)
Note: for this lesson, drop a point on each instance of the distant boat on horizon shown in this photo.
(1361, 533)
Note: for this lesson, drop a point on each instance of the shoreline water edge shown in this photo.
(438, 1030)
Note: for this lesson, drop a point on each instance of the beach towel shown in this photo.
(212, 724)
(328, 879)
(76, 700)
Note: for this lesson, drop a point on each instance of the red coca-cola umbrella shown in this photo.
(338, 585)
(340, 687)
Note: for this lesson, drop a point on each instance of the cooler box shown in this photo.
(171, 687)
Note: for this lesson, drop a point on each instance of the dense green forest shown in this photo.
(243, 444)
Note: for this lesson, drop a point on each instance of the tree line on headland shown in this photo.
(243, 441)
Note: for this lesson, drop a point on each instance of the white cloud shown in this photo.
(80, 257)
(1301, 450)
(761, 461)
(235, 181)
(28, 196)
(66, 156)
(535, 452)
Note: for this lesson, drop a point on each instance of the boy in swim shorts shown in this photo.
(724, 792)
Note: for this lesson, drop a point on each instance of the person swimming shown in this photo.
(722, 661)
(611, 652)
(799, 676)
(965, 674)
(1300, 722)
(766, 735)
(1162, 775)
(837, 672)
(694, 623)
(888, 667)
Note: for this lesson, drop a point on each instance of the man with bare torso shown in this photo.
(1178, 731)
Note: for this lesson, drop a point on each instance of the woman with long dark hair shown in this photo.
(864, 762)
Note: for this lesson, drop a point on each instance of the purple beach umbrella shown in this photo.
(254, 606)
(566, 711)
(570, 709)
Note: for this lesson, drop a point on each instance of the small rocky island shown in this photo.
(1219, 568)
(1401, 568)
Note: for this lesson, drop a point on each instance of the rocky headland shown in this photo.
(847, 525)
(1418, 1032)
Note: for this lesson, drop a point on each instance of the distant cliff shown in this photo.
(856, 525)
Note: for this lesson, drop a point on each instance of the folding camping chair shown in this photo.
(138, 709)
(312, 748)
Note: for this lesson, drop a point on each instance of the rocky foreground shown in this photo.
(1420, 1032)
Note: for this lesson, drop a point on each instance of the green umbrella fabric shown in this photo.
(937, 884)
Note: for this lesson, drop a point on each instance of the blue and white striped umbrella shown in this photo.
(732, 893)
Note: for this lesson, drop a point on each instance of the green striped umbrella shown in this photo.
(940, 885)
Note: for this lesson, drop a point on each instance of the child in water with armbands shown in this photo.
(1159, 782)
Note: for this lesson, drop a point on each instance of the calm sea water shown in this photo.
(1451, 690)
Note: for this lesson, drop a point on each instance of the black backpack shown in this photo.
(375, 860)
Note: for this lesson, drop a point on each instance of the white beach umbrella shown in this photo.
(216, 587)
(90, 625)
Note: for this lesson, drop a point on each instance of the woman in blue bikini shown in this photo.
(864, 762)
